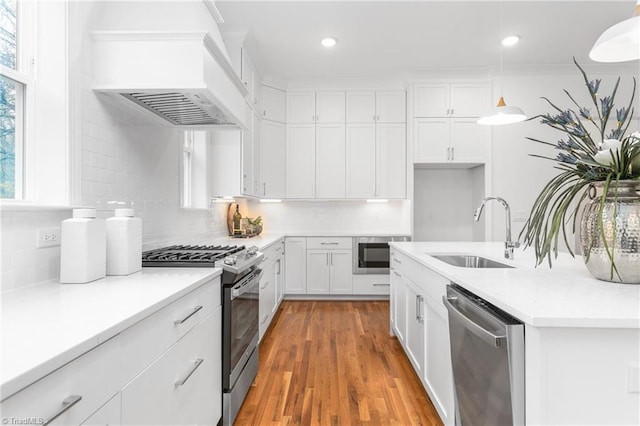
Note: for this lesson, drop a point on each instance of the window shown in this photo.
(187, 173)
(194, 170)
(13, 86)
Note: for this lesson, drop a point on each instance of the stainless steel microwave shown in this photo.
(371, 254)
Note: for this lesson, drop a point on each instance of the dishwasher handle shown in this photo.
(495, 340)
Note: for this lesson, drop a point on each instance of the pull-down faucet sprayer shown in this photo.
(508, 244)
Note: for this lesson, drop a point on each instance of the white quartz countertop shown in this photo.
(564, 296)
(45, 326)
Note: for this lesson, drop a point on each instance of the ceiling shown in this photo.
(393, 39)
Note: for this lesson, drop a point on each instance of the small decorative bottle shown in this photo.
(236, 221)
(124, 243)
(82, 248)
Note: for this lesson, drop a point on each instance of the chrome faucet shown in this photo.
(508, 244)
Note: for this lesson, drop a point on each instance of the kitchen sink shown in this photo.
(468, 261)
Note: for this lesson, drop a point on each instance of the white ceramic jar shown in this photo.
(82, 248)
(124, 243)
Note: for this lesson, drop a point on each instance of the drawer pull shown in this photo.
(397, 261)
(331, 243)
(69, 402)
(381, 284)
(266, 284)
(189, 315)
(186, 377)
(266, 317)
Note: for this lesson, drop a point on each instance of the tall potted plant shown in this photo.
(598, 158)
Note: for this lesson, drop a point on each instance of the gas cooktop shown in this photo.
(188, 255)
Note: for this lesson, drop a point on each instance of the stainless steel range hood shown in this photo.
(181, 79)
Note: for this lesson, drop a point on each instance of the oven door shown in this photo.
(240, 329)
(371, 255)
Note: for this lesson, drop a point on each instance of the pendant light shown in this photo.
(620, 42)
(501, 113)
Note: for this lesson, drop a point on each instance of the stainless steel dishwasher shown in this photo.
(487, 356)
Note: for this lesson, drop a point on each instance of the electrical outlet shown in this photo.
(48, 237)
(520, 216)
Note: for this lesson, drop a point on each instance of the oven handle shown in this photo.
(246, 284)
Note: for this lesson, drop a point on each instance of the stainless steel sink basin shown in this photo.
(469, 261)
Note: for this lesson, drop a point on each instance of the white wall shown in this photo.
(341, 217)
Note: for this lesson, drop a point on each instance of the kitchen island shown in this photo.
(582, 336)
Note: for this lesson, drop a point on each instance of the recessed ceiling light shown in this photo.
(510, 40)
(329, 41)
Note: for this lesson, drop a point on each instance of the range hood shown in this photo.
(181, 79)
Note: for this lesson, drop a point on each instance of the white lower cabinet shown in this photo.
(295, 271)
(415, 334)
(183, 385)
(329, 265)
(271, 284)
(136, 376)
(420, 322)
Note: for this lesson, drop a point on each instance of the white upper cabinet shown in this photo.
(388, 106)
(301, 160)
(450, 99)
(449, 140)
(330, 160)
(361, 160)
(301, 107)
(315, 107)
(274, 103)
(391, 160)
(249, 78)
(273, 152)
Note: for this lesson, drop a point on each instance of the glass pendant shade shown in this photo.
(503, 114)
(620, 42)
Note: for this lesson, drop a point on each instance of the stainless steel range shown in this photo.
(240, 307)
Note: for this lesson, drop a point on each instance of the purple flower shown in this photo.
(594, 85)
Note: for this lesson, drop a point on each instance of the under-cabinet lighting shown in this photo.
(270, 200)
(511, 40)
(225, 199)
(377, 200)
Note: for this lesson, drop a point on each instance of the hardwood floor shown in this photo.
(333, 362)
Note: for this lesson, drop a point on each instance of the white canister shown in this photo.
(124, 243)
(83, 248)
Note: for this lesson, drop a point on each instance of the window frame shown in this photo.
(23, 75)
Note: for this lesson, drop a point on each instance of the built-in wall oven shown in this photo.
(371, 254)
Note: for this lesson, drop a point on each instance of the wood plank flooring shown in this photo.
(334, 363)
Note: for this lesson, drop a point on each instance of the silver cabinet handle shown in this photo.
(329, 243)
(374, 117)
(262, 287)
(397, 273)
(420, 316)
(453, 152)
(266, 317)
(264, 113)
(381, 284)
(278, 248)
(396, 260)
(68, 402)
(264, 188)
(330, 258)
(189, 315)
(186, 377)
(417, 307)
(487, 336)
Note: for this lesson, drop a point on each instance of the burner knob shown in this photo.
(230, 260)
(251, 251)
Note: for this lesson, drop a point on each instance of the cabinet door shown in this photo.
(415, 338)
(468, 99)
(247, 159)
(301, 160)
(398, 305)
(295, 266)
(301, 107)
(156, 397)
(361, 160)
(468, 140)
(330, 161)
(391, 161)
(431, 140)
(391, 106)
(361, 107)
(274, 103)
(247, 75)
(257, 156)
(438, 372)
(273, 138)
(431, 100)
(267, 291)
(330, 107)
(318, 272)
(341, 280)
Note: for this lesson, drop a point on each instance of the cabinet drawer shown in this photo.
(184, 385)
(435, 286)
(95, 376)
(146, 340)
(371, 284)
(406, 266)
(329, 243)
